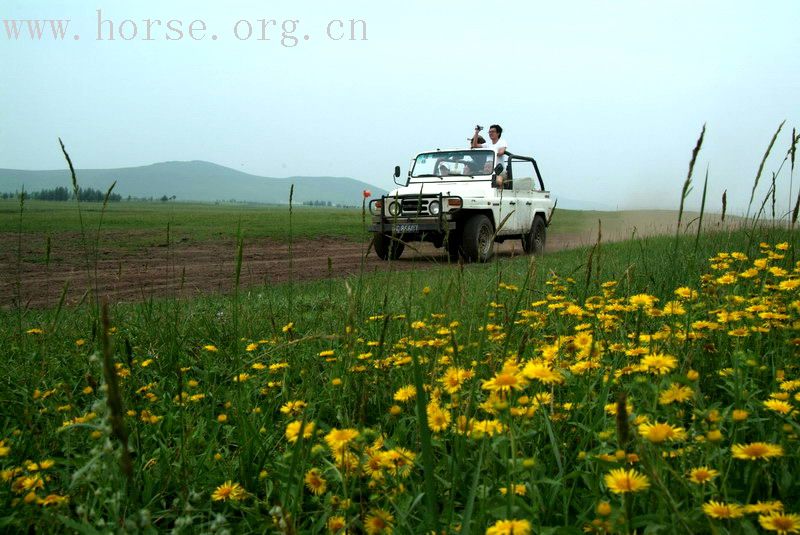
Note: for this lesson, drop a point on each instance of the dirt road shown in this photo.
(188, 269)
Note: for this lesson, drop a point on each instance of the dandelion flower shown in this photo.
(315, 482)
(338, 439)
(722, 510)
(756, 450)
(781, 523)
(621, 481)
(660, 432)
(438, 418)
(702, 475)
(541, 372)
(659, 363)
(293, 430)
(642, 301)
(675, 394)
(764, 508)
(776, 405)
(336, 524)
(405, 393)
(378, 521)
(505, 381)
(509, 527)
(228, 491)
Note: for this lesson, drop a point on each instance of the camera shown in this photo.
(478, 127)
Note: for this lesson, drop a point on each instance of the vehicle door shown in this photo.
(524, 184)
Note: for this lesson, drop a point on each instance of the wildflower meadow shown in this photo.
(649, 386)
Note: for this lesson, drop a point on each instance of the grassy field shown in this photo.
(647, 386)
(140, 221)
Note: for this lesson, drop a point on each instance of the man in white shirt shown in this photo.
(498, 145)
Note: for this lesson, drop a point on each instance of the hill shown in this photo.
(195, 181)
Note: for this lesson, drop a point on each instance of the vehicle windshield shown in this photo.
(449, 165)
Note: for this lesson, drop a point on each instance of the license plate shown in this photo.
(405, 227)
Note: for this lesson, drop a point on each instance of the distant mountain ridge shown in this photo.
(195, 180)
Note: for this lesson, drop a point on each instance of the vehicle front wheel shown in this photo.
(477, 241)
(387, 248)
(533, 242)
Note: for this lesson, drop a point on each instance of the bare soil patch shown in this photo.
(187, 268)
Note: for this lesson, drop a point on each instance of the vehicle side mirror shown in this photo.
(498, 168)
(397, 171)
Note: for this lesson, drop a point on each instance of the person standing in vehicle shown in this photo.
(497, 144)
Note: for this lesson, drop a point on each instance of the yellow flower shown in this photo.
(288, 327)
(326, 353)
(293, 407)
(739, 415)
(702, 475)
(394, 410)
(315, 482)
(210, 347)
(764, 508)
(336, 524)
(251, 347)
(338, 439)
(642, 301)
(728, 278)
(603, 508)
(659, 363)
(756, 450)
(438, 418)
(336, 381)
(675, 394)
(659, 432)
(509, 527)
(229, 491)
(506, 380)
(714, 435)
(293, 430)
(405, 393)
(781, 407)
(222, 418)
(378, 521)
(621, 481)
(541, 372)
(789, 284)
(34, 331)
(454, 377)
(780, 522)
(686, 293)
(722, 510)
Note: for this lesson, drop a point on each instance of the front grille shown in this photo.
(414, 206)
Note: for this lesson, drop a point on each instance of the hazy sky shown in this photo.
(608, 96)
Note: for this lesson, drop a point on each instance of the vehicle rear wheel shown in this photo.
(533, 242)
(387, 248)
(478, 239)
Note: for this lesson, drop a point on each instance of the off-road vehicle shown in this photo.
(464, 200)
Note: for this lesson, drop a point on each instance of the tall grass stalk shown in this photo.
(761, 168)
(702, 211)
(77, 193)
(18, 282)
(687, 184)
(114, 399)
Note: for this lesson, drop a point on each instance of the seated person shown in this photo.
(443, 170)
(498, 145)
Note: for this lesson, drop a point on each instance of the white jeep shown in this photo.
(464, 200)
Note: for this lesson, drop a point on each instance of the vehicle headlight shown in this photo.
(394, 209)
(434, 208)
